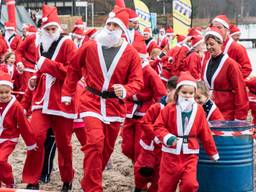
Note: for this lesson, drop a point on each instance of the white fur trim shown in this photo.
(216, 157)
(79, 26)
(51, 23)
(166, 137)
(147, 147)
(10, 3)
(40, 62)
(201, 41)
(236, 33)
(214, 34)
(224, 23)
(191, 83)
(66, 99)
(134, 19)
(10, 28)
(134, 97)
(31, 147)
(5, 82)
(117, 21)
(44, 19)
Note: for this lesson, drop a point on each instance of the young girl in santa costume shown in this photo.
(13, 123)
(146, 168)
(203, 98)
(179, 127)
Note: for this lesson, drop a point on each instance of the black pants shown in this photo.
(50, 149)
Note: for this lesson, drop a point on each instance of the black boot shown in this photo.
(33, 186)
(66, 187)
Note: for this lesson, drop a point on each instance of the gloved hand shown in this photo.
(171, 141)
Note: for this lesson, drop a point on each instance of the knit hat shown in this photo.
(31, 29)
(132, 15)
(194, 31)
(119, 16)
(223, 20)
(50, 16)
(234, 30)
(5, 79)
(186, 78)
(79, 23)
(169, 31)
(196, 40)
(9, 25)
(215, 32)
(90, 32)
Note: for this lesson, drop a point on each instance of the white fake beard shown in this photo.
(186, 104)
(47, 39)
(8, 34)
(108, 38)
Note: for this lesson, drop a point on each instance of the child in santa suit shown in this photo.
(203, 98)
(13, 123)
(146, 168)
(179, 127)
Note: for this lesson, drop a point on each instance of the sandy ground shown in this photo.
(118, 179)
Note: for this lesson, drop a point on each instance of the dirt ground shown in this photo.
(118, 179)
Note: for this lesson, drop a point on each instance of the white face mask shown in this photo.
(109, 38)
(186, 104)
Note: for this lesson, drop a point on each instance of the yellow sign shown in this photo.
(182, 16)
(143, 13)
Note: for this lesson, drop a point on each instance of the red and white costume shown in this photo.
(13, 123)
(228, 88)
(150, 42)
(166, 41)
(14, 40)
(47, 109)
(3, 47)
(251, 84)
(137, 106)
(14, 74)
(102, 116)
(27, 54)
(212, 111)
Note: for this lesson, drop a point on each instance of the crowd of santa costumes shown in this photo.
(161, 126)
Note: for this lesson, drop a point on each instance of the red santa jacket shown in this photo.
(165, 43)
(125, 70)
(13, 123)
(169, 123)
(193, 64)
(228, 87)
(13, 42)
(151, 44)
(50, 77)
(212, 111)
(239, 54)
(3, 46)
(152, 92)
(27, 53)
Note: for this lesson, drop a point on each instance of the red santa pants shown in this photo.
(178, 168)
(131, 134)
(252, 106)
(6, 176)
(62, 129)
(80, 135)
(148, 159)
(100, 142)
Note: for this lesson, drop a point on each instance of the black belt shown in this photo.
(138, 102)
(185, 138)
(104, 94)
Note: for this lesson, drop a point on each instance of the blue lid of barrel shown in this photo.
(230, 125)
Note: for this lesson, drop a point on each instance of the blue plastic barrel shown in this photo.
(233, 172)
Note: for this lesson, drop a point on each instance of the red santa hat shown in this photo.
(141, 47)
(196, 40)
(25, 26)
(50, 16)
(162, 30)
(194, 31)
(186, 78)
(9, 26)
(90, 32)
(79, 23)
(120, 16)
(120, 3)
(5, 79)
(180, 38)
(215, 32)
(222, 19)
(78, 32)
(133, 17)
(234, 30)
(169, 31)
(146, 31)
